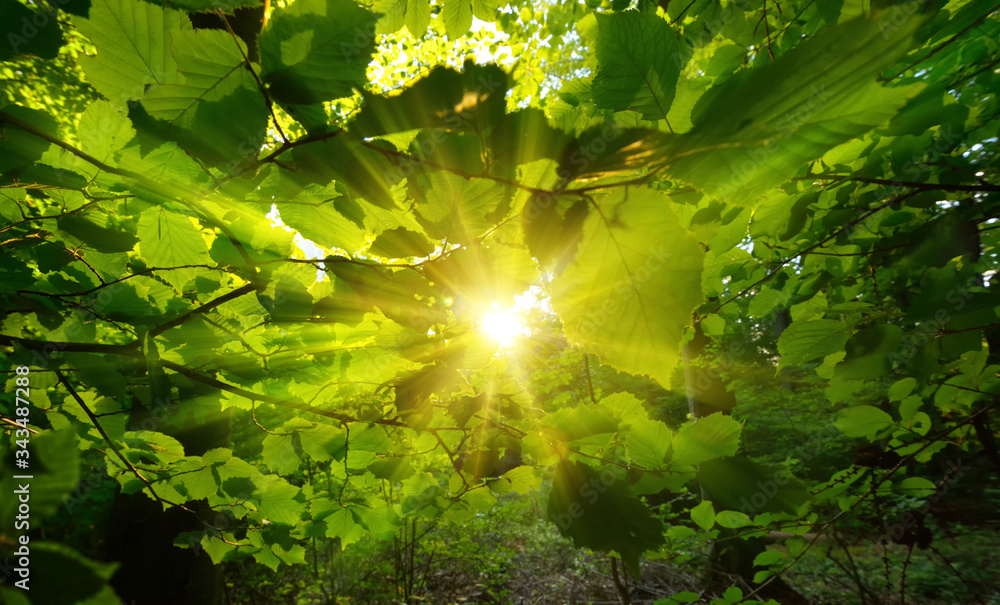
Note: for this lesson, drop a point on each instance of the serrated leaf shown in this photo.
(133, 47)
(523, 479)
(902, 388)
(170, 240)
(418, 17)
(768, 557)
(316, 50)
(472, 99)
(754, 130)
(341, 524)
(916, 487)
(704, 515)
(393, 15)
(648, 443)
(863, 421)
(596, 511)
(217, 549)
(732, 519)
(804, 341)
(638, 58)
(279, 501)
(868, 353)
(212, 67)
(713, 436)
(485, 10)
(631, 290)
(457, 15)
(739, 483)
(279, 453)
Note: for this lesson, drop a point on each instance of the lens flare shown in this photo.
(503, 326)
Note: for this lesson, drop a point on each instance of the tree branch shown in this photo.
(781, 264)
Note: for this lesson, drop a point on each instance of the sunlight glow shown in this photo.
(503, 326)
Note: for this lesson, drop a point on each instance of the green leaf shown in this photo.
(713, 436)
(704, 515)
(459, 209)
(633, 286)
(755, 130)
(207, 6)
(863, 421)
(472, 99)
(18, 148)
(868, 353)
(740, 484)
(323, 442)
(596, 511)
(79, 578)
(55, 464)
(216, 548)
(280, 501)
(639, 61)
(198, 482)
(279, 453)
(216, 110)
(648, 443)
(909, 405)
(916, 487)
(99, 237)
(457, 15)
(418, 17)
(366, 172)
(523, 479)
(401, 243)
(104, 131)
(133, 47)
(170, 240)
(713, 325)
(316, 50)
(485, 10)
(768, 557)
(902, 388)
(805, 341)
(818, 95)
(393, 15)
(732, 519)
(322, 223)
(212, 66)
(580, 422)
(341, 524)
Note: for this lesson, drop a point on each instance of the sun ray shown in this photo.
(503, 326)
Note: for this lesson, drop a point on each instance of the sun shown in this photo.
(505, 327)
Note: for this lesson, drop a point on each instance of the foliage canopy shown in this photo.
(305, 232)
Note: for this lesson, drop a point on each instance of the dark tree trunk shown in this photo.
(141, 537)
(729, 559)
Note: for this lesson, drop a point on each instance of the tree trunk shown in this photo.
(141, 537)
